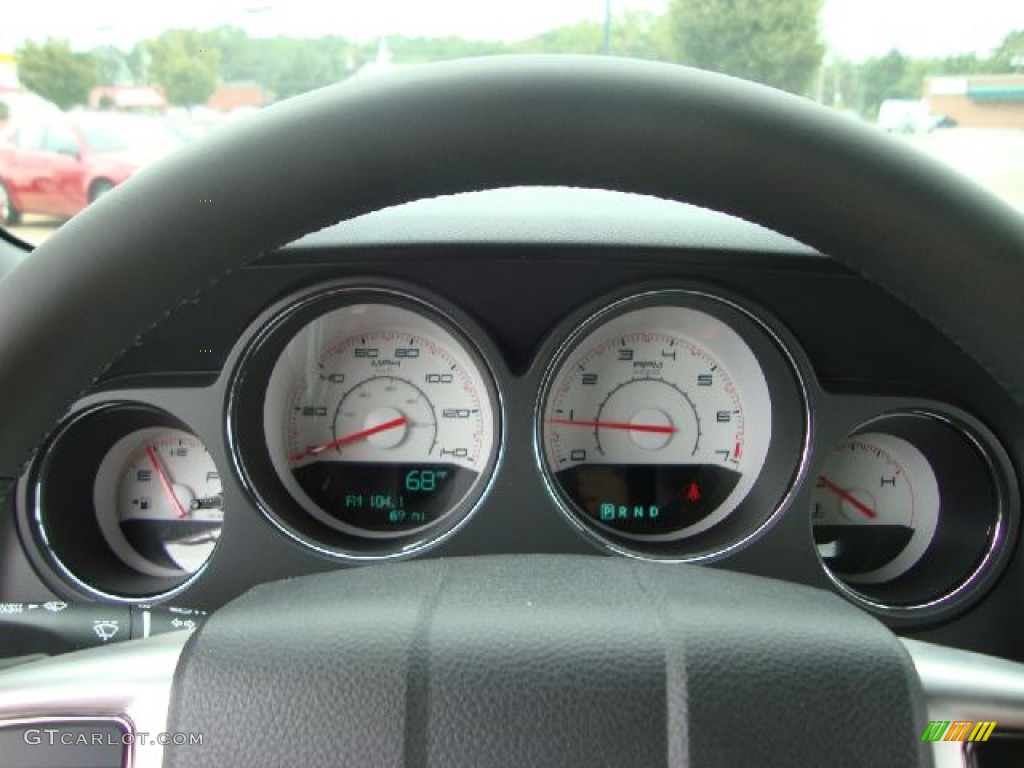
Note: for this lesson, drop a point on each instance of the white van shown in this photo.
(906, 116)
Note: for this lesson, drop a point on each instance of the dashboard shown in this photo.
(549, 371)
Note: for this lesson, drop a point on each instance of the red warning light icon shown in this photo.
(693, 493)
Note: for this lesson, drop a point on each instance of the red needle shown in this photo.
(384, 427)
(164, 480)
(658, 429)
(847, 496)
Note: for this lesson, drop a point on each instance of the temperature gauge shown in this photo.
(158, 501)
(875, 509)
(911, 512)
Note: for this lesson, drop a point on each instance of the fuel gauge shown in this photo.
(158, 501)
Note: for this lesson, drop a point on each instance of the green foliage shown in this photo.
(636, 34)
(776, 43)
(421, 50)
(56, 72)
(1010, 50)
(111, 65)
(896, 76)
(886, 77)
(184, 66)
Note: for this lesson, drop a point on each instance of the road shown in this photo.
(993, 158)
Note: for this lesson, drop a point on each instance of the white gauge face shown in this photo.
(379, 421)
(875, 508)
(158, 500)
(657, 423)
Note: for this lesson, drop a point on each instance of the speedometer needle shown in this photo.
(165, 481)
(847, 496)
(383, 427)
(658, 429)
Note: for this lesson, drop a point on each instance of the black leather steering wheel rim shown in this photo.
(934, 240)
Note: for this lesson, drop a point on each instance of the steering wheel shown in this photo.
(537, 661)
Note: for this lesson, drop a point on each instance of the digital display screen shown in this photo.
(385, 497)
(648, 498)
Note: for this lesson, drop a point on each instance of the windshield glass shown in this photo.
(945, 77)
(110, 133)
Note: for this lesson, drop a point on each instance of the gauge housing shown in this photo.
(62, 494)
(260, 390)
(977, 515)
(777, 398)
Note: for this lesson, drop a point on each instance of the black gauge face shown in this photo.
(656, 423)
(379, 420)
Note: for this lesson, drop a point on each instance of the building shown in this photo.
(231, 96)
(978, 101)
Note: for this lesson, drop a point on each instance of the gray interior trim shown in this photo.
(133, 680)
(130, 680)
(960, 685)
(553, 216)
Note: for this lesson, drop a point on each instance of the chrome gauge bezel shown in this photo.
(247, 442)
(87, 565)
(786, 462)
(989, 561)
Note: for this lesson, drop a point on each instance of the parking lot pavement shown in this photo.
(992, 157)
(35, 229)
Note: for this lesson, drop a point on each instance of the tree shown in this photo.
(777, 43)
(637, 34)
(56, 72)
(111, 65)
(1009, 56)
(183, 65)
(885, 77)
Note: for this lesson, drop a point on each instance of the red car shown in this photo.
(59, 164)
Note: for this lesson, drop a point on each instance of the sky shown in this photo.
(853, 29)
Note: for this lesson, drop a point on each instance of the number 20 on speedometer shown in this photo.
(655, 423)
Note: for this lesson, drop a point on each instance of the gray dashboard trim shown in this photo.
(552, 216)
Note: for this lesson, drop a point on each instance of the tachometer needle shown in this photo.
(658, 429)
(847, 496)
(165, 481)
(362, 435)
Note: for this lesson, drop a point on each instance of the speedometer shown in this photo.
(379, 420)
(657, 419)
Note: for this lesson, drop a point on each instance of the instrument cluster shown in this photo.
(368, 420)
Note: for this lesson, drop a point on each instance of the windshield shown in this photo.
(103, 133)
(945, 77)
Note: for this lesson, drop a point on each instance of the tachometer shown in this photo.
(657, 419)
(380, 420)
